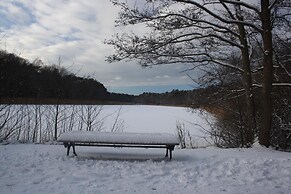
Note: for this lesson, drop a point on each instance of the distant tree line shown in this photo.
(20, 78)
(175, 97)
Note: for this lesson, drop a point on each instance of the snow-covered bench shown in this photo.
(106, 139)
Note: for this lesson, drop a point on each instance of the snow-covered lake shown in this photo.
(36, 123)
(145, 118)
(161, 119)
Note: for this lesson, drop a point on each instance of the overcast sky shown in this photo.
(75, 30)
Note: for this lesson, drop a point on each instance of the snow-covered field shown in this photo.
(32, 168)
(36, 168)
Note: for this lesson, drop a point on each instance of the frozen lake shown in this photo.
(38, 123)
(161, 119)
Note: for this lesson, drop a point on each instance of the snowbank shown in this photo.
(45, 169)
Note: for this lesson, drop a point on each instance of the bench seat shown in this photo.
(144, 140)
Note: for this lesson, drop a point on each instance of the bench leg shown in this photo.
(169, 148)
(68, 146)
(68, 149)
(167, 151)
(74, 151)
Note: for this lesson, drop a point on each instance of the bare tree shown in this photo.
(181, 132)
(10, 119)
(266, 123)
(192, 27)
(90, 117)
(5, 116)
(118, 123)
(204, 33)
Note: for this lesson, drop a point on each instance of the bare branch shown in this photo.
(282, 84)
(210, 12)
(244, 4)
(214, 25)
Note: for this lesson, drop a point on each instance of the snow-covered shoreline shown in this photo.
(31, 168)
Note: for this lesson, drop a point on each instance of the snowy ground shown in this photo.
(28, 168)
(32, 168)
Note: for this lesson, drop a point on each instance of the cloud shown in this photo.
(75, 32)
(184, 77)
(12, 11)
(118, 78)
(162, 77)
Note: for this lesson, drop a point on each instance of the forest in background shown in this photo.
(22, 81)
(20, 78)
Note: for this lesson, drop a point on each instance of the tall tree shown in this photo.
(264, 134)
(204, 33)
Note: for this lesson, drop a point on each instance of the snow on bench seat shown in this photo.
(119, 138)
(141, 140)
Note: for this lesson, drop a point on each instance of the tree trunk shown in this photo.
(266, 122)
(250, 105)
(56, 122)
